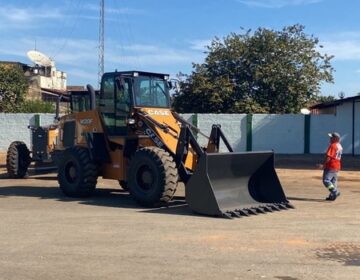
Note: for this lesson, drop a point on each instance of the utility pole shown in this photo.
(101, 41)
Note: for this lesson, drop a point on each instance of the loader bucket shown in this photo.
(235, 184)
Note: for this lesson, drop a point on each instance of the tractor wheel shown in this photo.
(77, 175)
(152, 176)
(17, 160)
(124, 185)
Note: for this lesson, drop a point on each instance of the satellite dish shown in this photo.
(305, 111)
(39, 58)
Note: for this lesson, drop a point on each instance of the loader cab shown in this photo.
(80, 101)
(120, 92)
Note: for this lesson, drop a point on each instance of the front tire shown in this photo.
(77, 175)
(17, 160)
(152, 176)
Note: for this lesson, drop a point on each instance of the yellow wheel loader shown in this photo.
(132, 135)
(19, 156)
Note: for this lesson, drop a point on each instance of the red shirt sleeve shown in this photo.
(331, 152)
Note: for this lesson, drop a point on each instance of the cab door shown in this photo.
(115, 103)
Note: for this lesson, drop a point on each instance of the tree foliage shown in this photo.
(13, 88)
(36, 106)
(265, 71)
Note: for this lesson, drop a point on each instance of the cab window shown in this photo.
(151, 92)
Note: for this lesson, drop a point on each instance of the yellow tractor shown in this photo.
(132, 135)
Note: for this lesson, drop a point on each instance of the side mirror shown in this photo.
(174, 84)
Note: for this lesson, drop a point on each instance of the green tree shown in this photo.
(265, 71)
(13, 87)
(36, 106)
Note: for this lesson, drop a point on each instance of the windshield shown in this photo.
(151, 92)
(80, 102)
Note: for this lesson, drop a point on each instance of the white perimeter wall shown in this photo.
(233, 126)
(343, 122)
(357, 128)
(14, 127)
(282, 133)
(320, 126)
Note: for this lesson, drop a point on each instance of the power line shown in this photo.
(78, 7)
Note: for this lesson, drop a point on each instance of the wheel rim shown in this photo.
(71, 172)
(145, 178)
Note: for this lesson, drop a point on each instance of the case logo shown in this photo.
(86, 121)
(158, 112)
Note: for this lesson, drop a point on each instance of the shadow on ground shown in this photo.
(307, 199)
(346, 253)
(102, 197)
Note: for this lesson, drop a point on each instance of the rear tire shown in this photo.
(77, 175)
(152, 176)
(17, 160)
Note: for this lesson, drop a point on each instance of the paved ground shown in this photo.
(44, 235)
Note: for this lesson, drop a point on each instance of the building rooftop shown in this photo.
(335, 102)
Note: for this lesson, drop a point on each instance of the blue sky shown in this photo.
(169, 35)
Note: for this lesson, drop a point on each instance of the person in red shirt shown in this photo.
(332, 165)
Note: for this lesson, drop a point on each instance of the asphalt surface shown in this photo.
(45, 235)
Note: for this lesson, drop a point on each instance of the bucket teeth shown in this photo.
(282, 206)
(251, 211)
(260, 210)
(232, 214)
(274, 207)
(236, 214)
(289, 205)
(242, 212)
(227, 215)
(267, 208)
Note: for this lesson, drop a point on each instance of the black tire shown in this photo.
(152, 177)
(77, 175)
(17, 160)
(124, 185)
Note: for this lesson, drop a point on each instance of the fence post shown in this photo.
(194, 121)
(249, 118)
(307, 120)
(37, 120)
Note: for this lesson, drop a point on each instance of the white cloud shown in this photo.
(151, 55)
(277, 3)
(12, 14)
(74, 52)
(81, 73)
(342, 49)
(79, 57)
(113, 10)
(200, 45)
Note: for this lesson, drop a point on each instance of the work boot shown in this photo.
(333, 195)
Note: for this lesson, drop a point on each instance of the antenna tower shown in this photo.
(101, 41)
